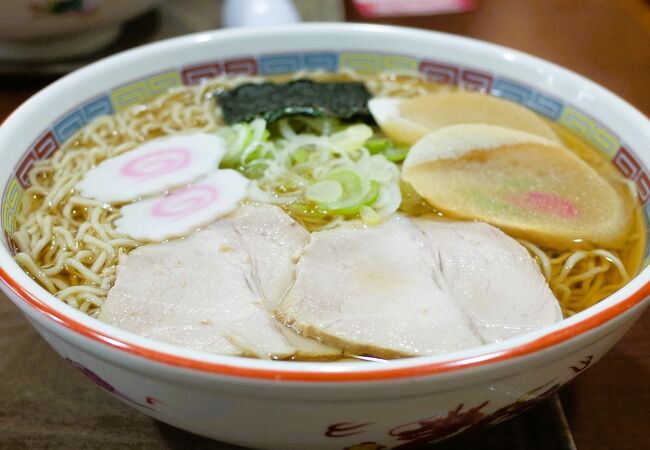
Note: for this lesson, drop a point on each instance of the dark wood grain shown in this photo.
(44, 403)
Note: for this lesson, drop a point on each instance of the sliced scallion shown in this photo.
(369, 216)
(357, 191)
(396, 154)
(255, 169)
(377, 145)
(324, 191)
(301, 155)
(352, 137)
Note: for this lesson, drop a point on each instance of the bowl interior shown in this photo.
(119, 82)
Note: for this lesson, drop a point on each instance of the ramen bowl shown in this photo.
(297, 405)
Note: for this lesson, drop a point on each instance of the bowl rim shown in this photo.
(482, 356)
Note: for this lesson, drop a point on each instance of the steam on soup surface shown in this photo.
(348, 215)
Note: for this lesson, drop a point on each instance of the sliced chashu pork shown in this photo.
(492, 278)
(389, 290)
(210, 291)
(374, 290)
(274, 242)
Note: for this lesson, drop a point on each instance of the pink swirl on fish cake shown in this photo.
(185, 201)
(158, 163)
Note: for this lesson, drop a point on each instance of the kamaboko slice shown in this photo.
(184, 210)
(153, 167)
(405, 120)
(526, 185)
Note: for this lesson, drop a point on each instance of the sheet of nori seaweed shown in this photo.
(271, 101)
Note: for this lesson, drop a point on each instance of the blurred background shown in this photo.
(46, 404)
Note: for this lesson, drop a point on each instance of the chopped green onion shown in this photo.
(260, 151)
(352, 137)
(351, 206)
(386, 147)
(377, 145)
(378, 169)
(396, 154)
(324, 191)
(239, 138)
(369, 216)
(372, 194)
(255, 169)
(339, 171)
(300, 156)
(357, 192)
(350, 181)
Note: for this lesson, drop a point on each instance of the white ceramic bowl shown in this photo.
(295, 405)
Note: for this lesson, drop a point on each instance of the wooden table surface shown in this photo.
(45, 404)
